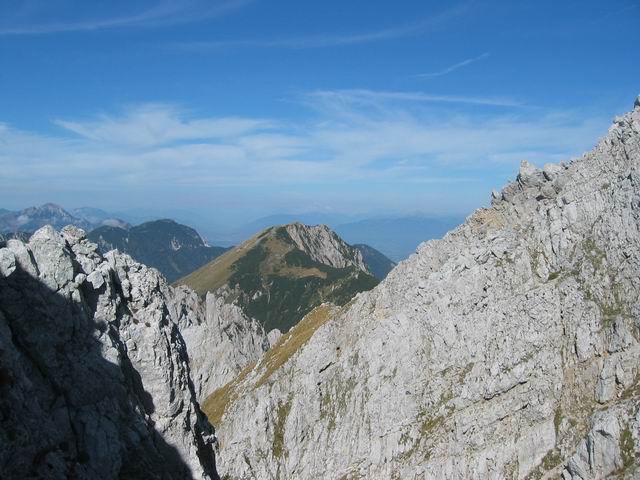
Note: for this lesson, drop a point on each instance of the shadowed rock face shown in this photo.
(94, 373)
(508, 349)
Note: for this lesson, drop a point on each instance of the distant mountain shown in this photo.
(282, 273)
(377, 263)
(96, 216)
(397, 237)
(174, 249)
(32, 218)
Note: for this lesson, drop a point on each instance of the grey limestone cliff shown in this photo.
(221, 339)
(324, 246)
(508, 349)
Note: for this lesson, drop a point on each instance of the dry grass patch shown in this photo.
(486, 219)
(217, 272)
(291, 342)
(216, 404)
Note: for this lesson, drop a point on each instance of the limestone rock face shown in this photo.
(324, 246)
(220, 338)
(94, 373)
(508, 349)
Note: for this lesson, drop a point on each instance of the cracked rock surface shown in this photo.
(508, 349)
(94, 374)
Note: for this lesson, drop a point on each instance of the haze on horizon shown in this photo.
(243, 108)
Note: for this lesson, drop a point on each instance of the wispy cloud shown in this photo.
(371, 96)
(28, 21)
(158, 147)
(453, 68)
(332, 40)
(159, 124)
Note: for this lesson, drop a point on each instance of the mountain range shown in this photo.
(32, 218)
(510, 348)
(174, 249)
(395, 237)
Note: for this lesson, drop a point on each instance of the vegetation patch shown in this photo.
(289, 343)
(627, 448)
(553, 275)
(595, 255)
(216, 404)
(335, 400)
(282, 412)
(550, 461)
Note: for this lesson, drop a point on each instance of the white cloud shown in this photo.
(158, 124)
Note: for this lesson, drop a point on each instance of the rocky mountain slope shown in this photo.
(284, 272)
(95, 380)
(508, 349)
(174, 249)
(377, 263)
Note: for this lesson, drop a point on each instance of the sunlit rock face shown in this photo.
(94, 374)
(508, 349)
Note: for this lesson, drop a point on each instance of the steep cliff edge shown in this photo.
(94, 374)
(508, 349)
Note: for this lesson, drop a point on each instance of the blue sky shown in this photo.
(242, 108)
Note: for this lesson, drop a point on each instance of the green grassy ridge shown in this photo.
(278, 283)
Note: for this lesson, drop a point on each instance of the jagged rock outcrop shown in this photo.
(220, 338)
(324, 246)
(508, 349)
(94, 374)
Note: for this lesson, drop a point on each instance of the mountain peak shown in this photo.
(325, 246)
(283, 272)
